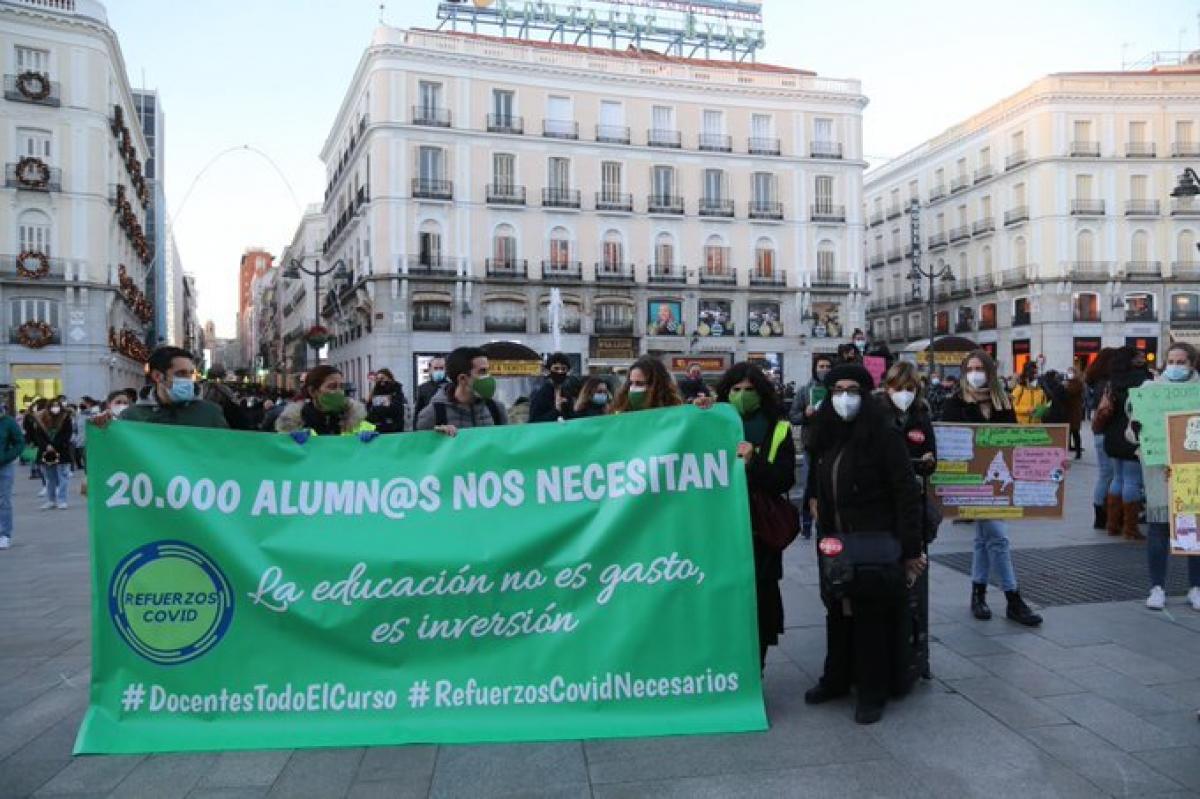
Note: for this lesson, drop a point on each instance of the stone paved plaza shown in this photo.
(1100, 701)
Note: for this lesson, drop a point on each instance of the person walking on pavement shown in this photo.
(427, 390)
(554, 399)
(12, 443)
(52, 436)
(866, 502)
(1096, 379)
(467, 398)
(1074, 405)
(1125, 494)
(1181, 368)
(982, 399)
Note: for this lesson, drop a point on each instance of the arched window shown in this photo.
(1185, 247)
(664, 255)
(1020, 252)
(1139, 247)
(826, 261)
(429, 244)
(764, 259)
(716, 256)
(504, 247)
(985, 262)
(33, 232)
(612, 254)
(1084, 248)
(36, 309)
(965, 275)
(560, 249)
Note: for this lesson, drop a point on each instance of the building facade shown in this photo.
(1052, 212)
(256, 262)
(287, 304)
(74, 254)
(681, 208)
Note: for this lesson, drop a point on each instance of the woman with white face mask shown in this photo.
(867, 505)
(982, 400)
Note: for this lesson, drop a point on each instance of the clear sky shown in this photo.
(272, 73)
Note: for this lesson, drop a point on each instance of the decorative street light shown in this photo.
(932, 274)
(292, 272)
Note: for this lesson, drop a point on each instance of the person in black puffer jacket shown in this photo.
(862, 485)
(1126, 492)
(387, 405)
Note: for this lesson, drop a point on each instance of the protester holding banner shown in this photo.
(769, 453)
(1096, 377)
(466, 398)
(981, 399)
(594, 399)
(171, 397)
(1126, 492)
(426, 391)
(1181, 366)
(554, 400)
(868, 509)
(648, 385)
(324, 409)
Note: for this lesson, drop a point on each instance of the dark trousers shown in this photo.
(870, 648)
(1075, 442)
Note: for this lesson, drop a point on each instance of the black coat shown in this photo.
(388, 417)
(916, 427)
(541, 403)
(44, 436)
(959, 411)
(690, 389)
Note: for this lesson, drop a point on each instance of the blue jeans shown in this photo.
(1100, 492)
(1127, 480)
(7, 472)
(1158, 549)
(58, 480)
(992, 552)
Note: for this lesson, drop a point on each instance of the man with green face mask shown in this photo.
(467, 398)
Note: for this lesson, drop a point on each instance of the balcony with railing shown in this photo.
(34, 268)
(664, 138)
(1090, 270)
(614, 201)
(1084, 149)
(32, 87)
(54, 339)
(716, 207)
(1141, 208)
(1140, 149)
(1143, 270)
(1185, 149)
(982, 227)
(561, 198)
(767, 277)
(937, 192)
(1016, 215)
(1017, 276)
(716, 143)
(1015, 159)
(432, 189)
(763, 145)
(433, 317)
(562, 271)
(983, 173)
(895, 254)
(1185, 270)
(959, 233)
(505, 194)
(434, 265)
(666, 273)
(983, 283)
(664, 204)
(1087, 207)
(895, 210)
(718, 276)
(431, 116)
(766, 209)
(614, 272)
(825, 149)
(827, 212)
(560, 129)
(829, 278)
(877, 260)
(505, 123)
(32, 174)
(1185, 206)
(613, 327)
(506, 268)
(876, 218)
(959, 183)
(936, 241)
(613, 134)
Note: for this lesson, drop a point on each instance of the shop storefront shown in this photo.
(1145, 344)
(1085, 350)
(611, 354)
(1020, 354)
(31, 381)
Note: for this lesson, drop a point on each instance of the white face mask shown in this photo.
(903, 399)
(118, 408)
(977, 380)
(847, 405)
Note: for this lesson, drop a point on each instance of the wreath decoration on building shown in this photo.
(34, 335)
(33, 172)
(33, 85)
(43, 264)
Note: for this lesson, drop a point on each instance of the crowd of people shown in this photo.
(859, 454)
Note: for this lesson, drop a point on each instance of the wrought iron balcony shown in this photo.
(560, 129)
(826, 278)
(876, 218)
(34, 268)
(1091, 270)
(614, 272)
(936, 241)
(937, 192)
(1015, 215)
(1185, 270)
(1022, 319)
(877, 260)
(55, 337)
(716, 206)
(434, 265)
(772, 278)
(507, 268)
(505, 123)
(433, 117)
(827, 212)
(766, 209)
(718, 277)
(613, 326)
(562, 271)
(1185, 149)
(825, 149)
(1087, 207)
(1085, 149)
(1185, 206)
(716, 143)
(982, 227)
(613, 134)
(32, 87)
(1015, 277)
(614, 201)
(505, 194)
(959, 183)
(1015, 159)
(895, 210)
(664, 138)
(983, 173)
(960, 233)
(664, 204)
(560, 198)
(666, 273)
(763, 145)
(432, 189)
(895, 254)
(1143, 270)
(983, 283)
(1140, 149)
(1141, 208)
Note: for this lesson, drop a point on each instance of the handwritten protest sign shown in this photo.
(876, 367)
(1000, 471)
(532, 583)
(1183, 438)
(1150, 405)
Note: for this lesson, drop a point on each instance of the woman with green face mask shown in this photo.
(323, 409)
(648, 385)
(769, 455)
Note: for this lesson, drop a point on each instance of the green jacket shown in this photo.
(12, 440)
(197, 413)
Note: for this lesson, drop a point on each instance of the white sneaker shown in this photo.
(42, 493)
(5, 542)
(1158, 598)
(62, 506)
(1194, 598)
(48, 506)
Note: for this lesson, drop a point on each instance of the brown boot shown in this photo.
(1115, 516)
(1132, 510)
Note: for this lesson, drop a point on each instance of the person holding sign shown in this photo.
(649, 385)
(770, 457)
(983, 400)
(867, 506)
(325, 410)
(1181, 364)
(466, 398)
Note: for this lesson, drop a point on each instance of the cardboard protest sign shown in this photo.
(1183, 439)
(1150, 404)
(1001, 471)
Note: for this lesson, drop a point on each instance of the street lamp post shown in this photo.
(295, 267)
(930, 273)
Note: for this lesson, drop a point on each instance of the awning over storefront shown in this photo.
(947, 350)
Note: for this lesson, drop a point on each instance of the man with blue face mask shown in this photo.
(172, 397)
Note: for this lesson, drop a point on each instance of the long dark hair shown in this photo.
(767, 396)
(1100, 368)
(662, 390)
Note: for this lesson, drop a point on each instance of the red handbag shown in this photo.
(774, 519)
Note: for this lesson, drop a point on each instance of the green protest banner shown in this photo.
(543, 582)
(1150, 404)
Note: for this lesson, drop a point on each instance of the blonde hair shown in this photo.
(903, 373)
(999, 395)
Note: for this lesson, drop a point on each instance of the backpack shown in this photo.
(439, 413)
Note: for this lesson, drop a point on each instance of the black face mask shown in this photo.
(558, 378)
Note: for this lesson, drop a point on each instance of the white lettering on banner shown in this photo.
(657, 474)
